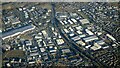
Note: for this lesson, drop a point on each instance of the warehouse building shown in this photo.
(18, 31)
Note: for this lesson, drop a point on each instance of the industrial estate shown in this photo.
(60, 34)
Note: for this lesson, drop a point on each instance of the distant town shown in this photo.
(60, 34)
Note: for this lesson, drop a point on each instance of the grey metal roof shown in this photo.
(16, 30)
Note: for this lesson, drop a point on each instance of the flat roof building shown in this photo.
(95, 47)
(84, 21)
(74, 20)
(90, 38)
(89, 32)
(81, 43)
(65, 50)
(70, 21)
(60, 41)
(45, 33)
